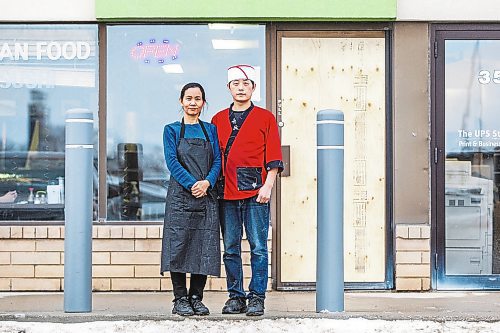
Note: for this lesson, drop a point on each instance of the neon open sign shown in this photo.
(154, 51)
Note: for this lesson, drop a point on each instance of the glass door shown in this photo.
(467, 156)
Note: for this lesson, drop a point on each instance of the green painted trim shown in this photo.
(247, 10)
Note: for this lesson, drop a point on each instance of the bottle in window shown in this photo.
(31, 196)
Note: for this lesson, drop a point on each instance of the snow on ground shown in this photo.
(353, 325)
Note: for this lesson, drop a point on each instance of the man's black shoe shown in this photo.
(182, 307)
(235, 305)
(255, 306)
(198, 307)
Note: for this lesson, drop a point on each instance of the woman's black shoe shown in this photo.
(182, 307)
(198, 307)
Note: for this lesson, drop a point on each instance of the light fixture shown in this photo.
(234, 44)
(173, 69)
(231, 26)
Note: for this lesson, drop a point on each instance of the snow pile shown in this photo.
(353, 325)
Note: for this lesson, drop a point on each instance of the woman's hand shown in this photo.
(200, 188)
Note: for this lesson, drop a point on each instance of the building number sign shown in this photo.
(486, 77)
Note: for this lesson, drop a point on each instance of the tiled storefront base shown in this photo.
(413, 269)
(124, 258)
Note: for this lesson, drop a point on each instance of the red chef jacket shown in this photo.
(256, 144)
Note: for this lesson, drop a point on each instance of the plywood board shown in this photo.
(347, 74)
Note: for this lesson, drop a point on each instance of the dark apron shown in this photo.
(191, 234)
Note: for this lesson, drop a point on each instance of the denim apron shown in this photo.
(191, 230)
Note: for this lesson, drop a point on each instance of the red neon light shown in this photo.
(157, 51)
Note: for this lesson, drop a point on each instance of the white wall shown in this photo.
(448, 10)
(47, 10)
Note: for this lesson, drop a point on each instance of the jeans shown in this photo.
(254, 216)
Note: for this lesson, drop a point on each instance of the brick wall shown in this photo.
(413, 268)
(124, 258)
(127, 258)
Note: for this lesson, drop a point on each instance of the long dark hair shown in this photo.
(193, 85)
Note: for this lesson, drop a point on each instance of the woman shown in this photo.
(191, 238)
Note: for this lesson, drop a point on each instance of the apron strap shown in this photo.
(204, 131)
(183, 129)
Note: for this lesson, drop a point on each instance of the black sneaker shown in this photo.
(235, 305)
(182, 307)
(255, 306)
(198, 307)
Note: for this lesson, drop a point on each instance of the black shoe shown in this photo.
(198, 307)
(255, 306)
(235, 305)
(182, 307)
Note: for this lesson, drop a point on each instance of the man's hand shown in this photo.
(264, 193)
(199, 189)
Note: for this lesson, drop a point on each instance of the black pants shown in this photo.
(198, 282)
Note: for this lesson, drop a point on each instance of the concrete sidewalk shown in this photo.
(434, 306)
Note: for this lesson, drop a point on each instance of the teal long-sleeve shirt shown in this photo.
(171, 136)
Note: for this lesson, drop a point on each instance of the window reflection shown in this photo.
(44, 71)
(146, 68)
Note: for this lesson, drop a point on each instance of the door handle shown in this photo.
(285, 152)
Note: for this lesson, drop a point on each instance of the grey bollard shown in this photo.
(78, 211)
(330, 229)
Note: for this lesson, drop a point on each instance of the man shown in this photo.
(250, 144)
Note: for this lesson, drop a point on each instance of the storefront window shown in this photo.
(45, 70)
(146, 69)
